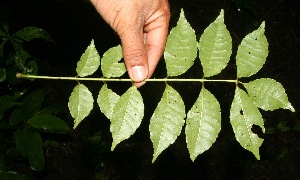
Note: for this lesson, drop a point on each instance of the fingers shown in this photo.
(143, 27)
(156, 35)
(135, 55)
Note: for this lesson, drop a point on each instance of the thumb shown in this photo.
(135, 55)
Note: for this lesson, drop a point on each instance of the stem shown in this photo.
(19, 75)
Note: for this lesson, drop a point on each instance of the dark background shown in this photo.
(73, 23)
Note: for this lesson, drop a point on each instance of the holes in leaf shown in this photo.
(241, 112)
(257, 130)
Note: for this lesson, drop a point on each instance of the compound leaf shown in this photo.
(80, 103)
(268, 94)
(244, 114)
(127, 116)
(203, 124)
(215, 47)
(181, 48)
(167, 121)
(89, 61)
(107, 100)
(29, 143)
(110, 65)
(252, 53)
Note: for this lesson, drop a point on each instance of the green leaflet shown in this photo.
(29, 143)
(107, 100)
(203, 124)
(89, 61)
(29, 33)
(268, 94)
(167, 121)
(215, 47)
(31, 104)
(80, 103)
(48, 123)
(244, 114)
(252, 53)
(110, 65)
(127, 116)
(181, 48)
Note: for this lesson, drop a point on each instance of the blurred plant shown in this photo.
(21, 110)
(13, 57)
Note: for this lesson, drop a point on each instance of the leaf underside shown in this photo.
(215, 47)
(80, 103)
(243, 115)
(89, 61)
(110, 65)
(268, 94)
(167, 121)
(181, 48)
(107, 100)
(127, 116)
(252, 53)
(203, 124)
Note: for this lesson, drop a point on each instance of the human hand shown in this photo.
(142, 26)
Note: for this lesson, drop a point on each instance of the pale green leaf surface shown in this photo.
(110, 65)
(203, 124)
(215, 47)
(252, 53)
(167, 121)
(107, 100)
(127, 116)
(181, 48)
(243, 115)
(80, 103)
(89, 61)
(268, 94)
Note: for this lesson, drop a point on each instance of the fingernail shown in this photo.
(138, 73)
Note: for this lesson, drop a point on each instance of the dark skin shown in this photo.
(142, 26)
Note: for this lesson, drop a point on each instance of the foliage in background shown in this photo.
(21, 110)
(18, 59)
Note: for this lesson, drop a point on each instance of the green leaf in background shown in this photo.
(268, 94)
(203, 124)
(107, 100)
(21, 55)
(52, 109)
(252, 53)
(167, 121)
(7, 102)
(243, 115)
(127, 116)
(2, 46)
(2, 74)
(80, 103)
(89, 61)
(215, 47)
(110, 65)
(30, 33)
(12, 176)
(29, 143)
(48, 123)
(181, 48)
(31, 104)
